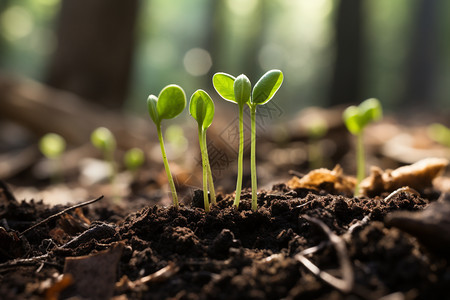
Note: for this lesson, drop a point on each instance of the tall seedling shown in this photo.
(201, 108)
(356, 119)
(263, 92)
(242, 93)
(169, 104)
(235, 90)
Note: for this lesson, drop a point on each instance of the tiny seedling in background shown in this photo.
(133, 159)
(439, 133)
(356, 119)
(235, 90)
(52, 146)
(103, 139)
(169, 104)
(201, 108)
(316, 129)
(239, 90)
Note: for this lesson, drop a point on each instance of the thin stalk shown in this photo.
(253, 158)
(166, 166)
(240, 156)
(360, 163)
(201, 138)
(212, 192)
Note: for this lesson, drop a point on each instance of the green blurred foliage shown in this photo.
(185, 42)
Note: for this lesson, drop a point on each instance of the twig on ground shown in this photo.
(61, 213)
(405, 189)
(345, 284)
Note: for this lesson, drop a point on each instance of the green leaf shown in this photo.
(224, 85)
(357, 117)
(171, 102)
(242, 89)
(352, 119)
(266, 87)
(52, 145)
(152, 110)
(201, 108)
(103, 139)
(370, 110)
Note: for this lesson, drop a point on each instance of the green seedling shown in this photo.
(235, 90)
(169, 104)
(133, 159)
(439, 133)
(316, 128)
(103, 139)
(242, 94)
(201, 108)
(52, 146)
(356, 119)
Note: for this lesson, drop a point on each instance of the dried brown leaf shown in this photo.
(418, 176)
(332, 181)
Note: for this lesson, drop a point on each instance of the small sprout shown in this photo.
(52, 146)
(103, 139)
(235, 90)
(439, 133)
(356, 119)
(133, 159)
(201, 109)
(242, 94)
(169, 104)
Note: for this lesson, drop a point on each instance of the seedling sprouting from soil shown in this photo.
(356, 119)
(52, 145)
(263, 92)
(439, 133)
(240, 91)
(169, 104)
(103, 139)
(133, 159)
(201, 109)
(235, 90)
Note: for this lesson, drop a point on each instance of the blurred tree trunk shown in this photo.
(346, 80)
(94, 50)
(420, 82)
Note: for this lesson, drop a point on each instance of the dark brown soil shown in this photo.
(229, 253)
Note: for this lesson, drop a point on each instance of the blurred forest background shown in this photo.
(331, 52)
(70, 66)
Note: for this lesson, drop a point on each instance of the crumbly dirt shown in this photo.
(229, 253)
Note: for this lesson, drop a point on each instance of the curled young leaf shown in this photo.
(242, 89)
(171, 102)
(152, 109)
(266, 87)
(223, 83)
(201, 108)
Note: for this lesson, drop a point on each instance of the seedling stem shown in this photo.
(240, 157)
(253, 157)
(166, 166)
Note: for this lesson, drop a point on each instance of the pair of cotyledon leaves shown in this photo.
(239, 90)
(357, 117)
(172, 101)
